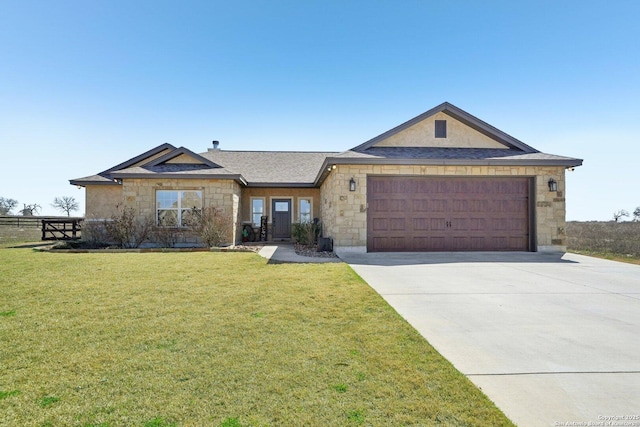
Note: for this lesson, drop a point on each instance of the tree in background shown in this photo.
(617, 215)
(30, 210)
(636, 214)
(6, 205)
(66, 204)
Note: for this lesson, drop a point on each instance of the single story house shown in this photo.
(442, 181)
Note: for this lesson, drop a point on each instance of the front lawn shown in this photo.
(195, 339)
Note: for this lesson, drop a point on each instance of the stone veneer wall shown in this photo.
(344, 213)
(140, 194)
(101, 201)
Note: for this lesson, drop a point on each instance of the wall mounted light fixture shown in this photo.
(553, 185)
(352, 184)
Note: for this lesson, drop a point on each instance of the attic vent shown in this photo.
(215, 144)
(441, 128)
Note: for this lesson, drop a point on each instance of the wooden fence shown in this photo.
(21, 221)
(47, 227)
(61, 229)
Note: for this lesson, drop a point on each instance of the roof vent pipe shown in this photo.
(215, 144)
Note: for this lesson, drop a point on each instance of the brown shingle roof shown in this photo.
(272, 167)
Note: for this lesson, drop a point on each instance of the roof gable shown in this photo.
(182, 156)
(145, 157)
(463, 131)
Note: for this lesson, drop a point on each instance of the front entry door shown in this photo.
(281, 213)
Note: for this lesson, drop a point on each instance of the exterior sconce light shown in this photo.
(352, 184)
(553, 185)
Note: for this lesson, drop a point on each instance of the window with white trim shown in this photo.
(257, 210)
(176, 208)
(304, 210)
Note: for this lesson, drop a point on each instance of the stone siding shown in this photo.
(101, 201)
(344, 213)
(140, 194)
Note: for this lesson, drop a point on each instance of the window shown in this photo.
(441, 128)
(304, 210)
(176, 208)
(257, 210)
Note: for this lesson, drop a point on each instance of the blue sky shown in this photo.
(85, 85)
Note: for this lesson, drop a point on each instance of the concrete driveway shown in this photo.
(551, 341)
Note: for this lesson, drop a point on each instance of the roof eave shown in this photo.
(330, 161)
(282, 184)
(323, 172)
(83, 183)
(124, 175)
(568, 162)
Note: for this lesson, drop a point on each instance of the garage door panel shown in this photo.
(397, 205)
(390, 244)
(421, 205)
(477, 224)
(379, 205)
(424, 244)
(438, 205)
(437, 224)
(379, 224)
(453, 213)
(398, 224)
(421, 224)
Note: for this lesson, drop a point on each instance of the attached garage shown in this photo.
(418, 213)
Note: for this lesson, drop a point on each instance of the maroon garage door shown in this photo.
(447, 214)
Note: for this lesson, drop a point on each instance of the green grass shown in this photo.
(5, 394)
(221, 339)
(48, 401)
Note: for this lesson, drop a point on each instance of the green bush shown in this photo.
(306, 233)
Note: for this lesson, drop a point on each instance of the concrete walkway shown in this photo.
(551, 341)
(282, 253)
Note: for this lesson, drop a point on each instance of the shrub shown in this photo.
(306, 233)
(125, 230)
(212, 226)
(166, 237)
(94, 232)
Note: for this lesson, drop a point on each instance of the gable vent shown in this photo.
(441, 128)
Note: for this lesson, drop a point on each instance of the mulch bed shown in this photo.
(312, 251)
